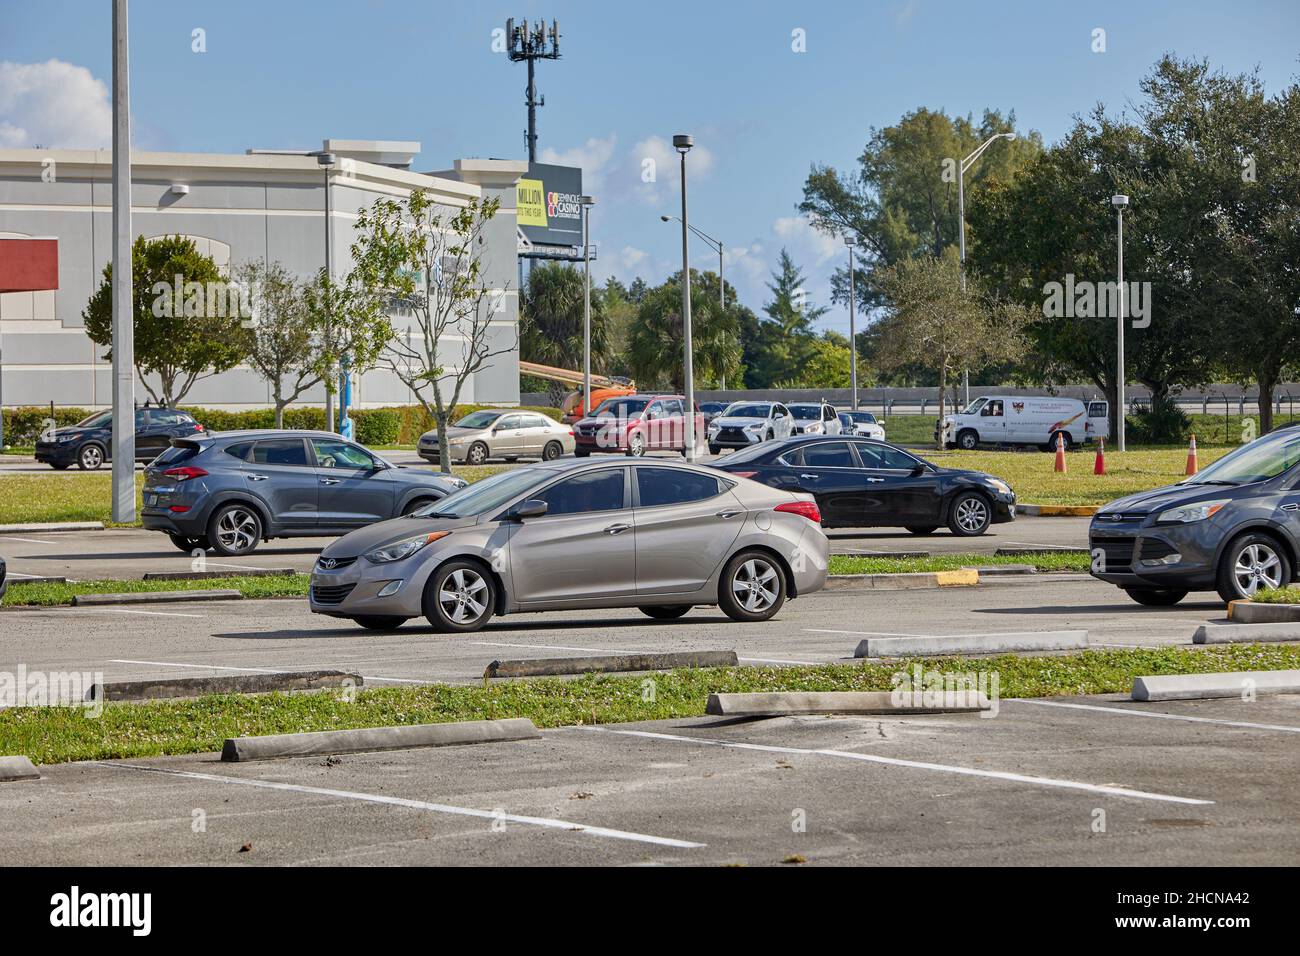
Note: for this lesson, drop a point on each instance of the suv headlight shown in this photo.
(404, 549)
(1188, 513)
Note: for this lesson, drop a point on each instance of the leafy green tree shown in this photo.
(785, 342)
(901, 201)
(551, 321)
(188, 317)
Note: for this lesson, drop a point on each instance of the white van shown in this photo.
(1027, 420)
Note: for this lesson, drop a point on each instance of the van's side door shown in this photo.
(993, 422)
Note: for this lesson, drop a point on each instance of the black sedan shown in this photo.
(860, 482)
(4, 582)
(89, 443)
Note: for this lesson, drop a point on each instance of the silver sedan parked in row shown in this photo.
(500, 433)
(657, 535)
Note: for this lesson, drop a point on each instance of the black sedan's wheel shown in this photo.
(1156, 597)
(923, 529)
(59, 465)
(666, 613)
(552, 451)
(188, 544)
(752, 587)
(477, 454)
(969, 515)
(1249, 563)
(460, 597)
(90, 457)
(234, 530)
(381, 622)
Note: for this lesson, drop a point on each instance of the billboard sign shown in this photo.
(549, 200)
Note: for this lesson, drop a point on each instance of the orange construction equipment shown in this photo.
(602, 387)
(1191, 456)
(1099, 466)
(1060, 453)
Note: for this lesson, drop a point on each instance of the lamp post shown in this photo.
(716, 245)
(852, 241)
(683, 143)
(326, 161)
(1119, 202)
(123, 309)
(961, 234)
(587, 203)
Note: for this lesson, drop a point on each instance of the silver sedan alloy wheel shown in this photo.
(755, 585)
(462, 596)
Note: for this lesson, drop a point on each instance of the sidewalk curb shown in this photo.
(965, 578)
(17, 768)
(902, 645)
(1250, 612)
(155, 597)
(164, 688)
(1210, 686)
(619, 663)
(204, 575)
(878, 702)
(37, 527)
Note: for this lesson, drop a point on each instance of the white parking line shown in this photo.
(918, 765)
(268, 670)
(546, 822)
(127, 610)
(1128, 712)
(10, 537)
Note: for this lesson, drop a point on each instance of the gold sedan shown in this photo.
(500, 433)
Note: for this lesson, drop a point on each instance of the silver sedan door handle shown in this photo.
(618, 528)
(258, 477)
(725, 514)
(329, 481)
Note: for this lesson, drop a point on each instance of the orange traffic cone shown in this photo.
(1099, 466)
(1191, 456)
(1060, 452)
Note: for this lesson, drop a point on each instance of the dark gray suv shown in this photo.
(231, 490)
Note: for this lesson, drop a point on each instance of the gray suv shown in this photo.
(231, 490)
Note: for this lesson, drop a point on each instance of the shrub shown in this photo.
(1163, 423)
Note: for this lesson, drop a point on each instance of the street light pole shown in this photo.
(123, 312)
(722, 285)
(1119, 202)
(682, 143)
(587, 203)
(325, 161)
(851, 241)
(961, 234)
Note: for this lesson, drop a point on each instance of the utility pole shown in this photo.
(531, 45)
(852, 241)
(683, 143)
(123, 313)
(1119, 202)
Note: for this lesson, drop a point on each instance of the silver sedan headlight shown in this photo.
(403, 549)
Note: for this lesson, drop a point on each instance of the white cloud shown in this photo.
(54, 104)
(651, 172)
(592, 157)
(804, 241)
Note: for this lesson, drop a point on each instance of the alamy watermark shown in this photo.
(1081, 299)
(922, 688)
(34, 688)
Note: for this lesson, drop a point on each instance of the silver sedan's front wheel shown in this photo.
(460, 597)
(752, 587)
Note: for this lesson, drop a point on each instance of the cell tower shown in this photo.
(531, 45)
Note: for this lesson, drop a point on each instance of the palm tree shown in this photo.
(656, 349)
(551, 319)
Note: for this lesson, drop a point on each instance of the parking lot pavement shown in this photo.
(132, 552)
(197, 639)
(1037, 784)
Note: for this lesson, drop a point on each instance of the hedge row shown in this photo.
(398, 425)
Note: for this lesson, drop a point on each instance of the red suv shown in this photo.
(636, 424)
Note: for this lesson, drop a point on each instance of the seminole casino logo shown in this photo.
(563, 205)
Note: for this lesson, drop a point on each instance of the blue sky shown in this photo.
(288, 74)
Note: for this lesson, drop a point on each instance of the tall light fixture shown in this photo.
(683, 143)
(961, 241)
(123, 312)
(326, 162)
(852, 241)
(716, 246)
(587, 203)
(1119, 202)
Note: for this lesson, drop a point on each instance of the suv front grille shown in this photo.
(1117, 552)
(331, 594)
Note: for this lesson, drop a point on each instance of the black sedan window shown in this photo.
(883, 456)
(830, 454)
(673, 486)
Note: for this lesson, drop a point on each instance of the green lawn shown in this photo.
(50, 595)
(53, 734)
(848, 564)
(86, 496)
(1287, 595)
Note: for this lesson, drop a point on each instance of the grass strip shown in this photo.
(1287, 595)
(872, 564)
(59, 734)
(54, 595)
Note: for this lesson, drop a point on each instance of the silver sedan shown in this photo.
(658, 535)
(500, 433)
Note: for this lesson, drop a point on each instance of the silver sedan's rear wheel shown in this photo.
(460, 597)
(752, 587)
(234, 530)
